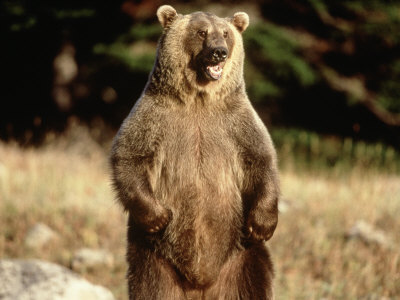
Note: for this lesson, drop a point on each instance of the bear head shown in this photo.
(202, 48)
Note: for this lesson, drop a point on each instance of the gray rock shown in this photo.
(39, 235)
(88, 259)
(365, 232)
(284, 205)
(40, 280)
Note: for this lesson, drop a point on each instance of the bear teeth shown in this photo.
(215, 71)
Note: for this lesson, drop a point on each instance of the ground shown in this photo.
(66, 185)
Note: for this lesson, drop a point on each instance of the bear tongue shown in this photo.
(215, 71)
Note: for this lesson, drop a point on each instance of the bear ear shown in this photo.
(240, 20)
(166, 15)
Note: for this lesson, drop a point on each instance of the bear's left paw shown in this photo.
(261, 225)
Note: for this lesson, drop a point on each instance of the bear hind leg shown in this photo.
(149, 277)
(246, 276)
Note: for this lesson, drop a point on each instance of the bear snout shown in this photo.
(219, 54)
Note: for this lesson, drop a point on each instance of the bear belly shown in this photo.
(206, 203)
(200, 238)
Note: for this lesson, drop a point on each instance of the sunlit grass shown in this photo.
(314, 260)
(66, 185)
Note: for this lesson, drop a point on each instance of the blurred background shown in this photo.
(323, 75)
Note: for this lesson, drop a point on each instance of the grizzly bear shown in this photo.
(196, 170)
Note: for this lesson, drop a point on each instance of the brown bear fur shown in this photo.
(196, 170)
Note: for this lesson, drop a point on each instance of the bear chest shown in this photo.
(197, 153)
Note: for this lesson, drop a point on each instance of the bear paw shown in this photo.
(261, 225)
(156, 221)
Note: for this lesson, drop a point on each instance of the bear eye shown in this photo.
(225, 34)
(202, 33)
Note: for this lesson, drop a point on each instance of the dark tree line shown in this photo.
(329, 66)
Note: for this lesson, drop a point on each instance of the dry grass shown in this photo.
(66, 185)
(314, 260)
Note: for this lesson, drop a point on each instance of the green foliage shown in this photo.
(74, 13)
(373, 27)
(120, 53)
(274, 62)
(299, 52)
(390, 89)
(134, 49)
(17, 16)
(13, 8)
(21, 17)
(260, 89)
(309, 150)
(144, 32)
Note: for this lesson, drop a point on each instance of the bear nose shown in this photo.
(220, 53)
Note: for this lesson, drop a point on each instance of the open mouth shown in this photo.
(215, 71)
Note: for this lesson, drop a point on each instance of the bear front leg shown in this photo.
(149, 214)
(262, 217)
(134, 192)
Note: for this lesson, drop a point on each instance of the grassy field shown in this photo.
(65, 184)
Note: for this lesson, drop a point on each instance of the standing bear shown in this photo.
(196, 169)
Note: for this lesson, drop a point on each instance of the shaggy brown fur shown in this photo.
(196, 170)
